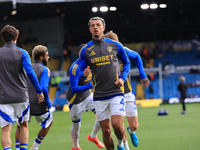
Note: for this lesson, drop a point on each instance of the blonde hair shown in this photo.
(111, 35)
(38, 51)
(182, 78)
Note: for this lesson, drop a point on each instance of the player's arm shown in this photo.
(126, 62)
(138, 61)
(74, 79)
(26, 62)
(44, 83)
(83, 64)
(134, 55)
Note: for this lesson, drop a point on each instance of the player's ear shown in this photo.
(104, 28)
(2, 39)
(89, 29)
(41, 57)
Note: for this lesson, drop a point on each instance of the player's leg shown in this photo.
(106, 131)
(17, 143)
(22, 111)
(133, 125)
(45, 120)
(132, 117)
(183, 107)
(76, 125)
(103, 115)
(24, 135)
(117, 119)
(5, 136)
(8, 115)
(118, 126)
(76, 111)
(93, 135)
(126, 146)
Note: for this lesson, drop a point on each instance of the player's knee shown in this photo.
(134, 126)
(76, 126)
(106, 132)
(117, 127)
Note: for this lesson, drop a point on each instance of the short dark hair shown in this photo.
(9, 33)
(38, 51)
(97, 18)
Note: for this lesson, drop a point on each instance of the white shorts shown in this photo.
(130, 105)
(43, 120)
(77, 110)
(11, 113)
(107, 108)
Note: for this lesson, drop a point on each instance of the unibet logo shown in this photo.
(93, 53)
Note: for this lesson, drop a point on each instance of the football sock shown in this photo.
(75, 133)
(120, 142)
(17, 145)
(95, 130)
(126, 147)
(131, 131)
(37, 142)
(7, 148)
(23, 146)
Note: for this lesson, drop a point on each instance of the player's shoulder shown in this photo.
(127, 49)
(85, 48)
(22, 50)
(47, 70)
(114, 42)
(74, 67)
(88, 46)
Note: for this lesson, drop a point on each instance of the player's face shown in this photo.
(46, 58)
(96, 29)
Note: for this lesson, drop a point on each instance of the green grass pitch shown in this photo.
(171, 132)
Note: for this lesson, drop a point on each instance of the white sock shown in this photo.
(120, 142)
(131, 131)
(126, 147)
(75, 134)
(95, 130)
(35, 145)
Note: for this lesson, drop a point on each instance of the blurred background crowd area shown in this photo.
(166, 37)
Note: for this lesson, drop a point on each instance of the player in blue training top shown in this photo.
(80, 98)
(130, 102)
(40, 111)
(103, 55)
(15, 66)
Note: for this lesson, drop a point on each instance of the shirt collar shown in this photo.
(10, 43)
(99, 40)
(37, 61)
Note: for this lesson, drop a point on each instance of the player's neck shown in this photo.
(97, 38)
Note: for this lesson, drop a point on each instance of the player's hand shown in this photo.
(119, 82)
(48, 107)
(87, 71)
(40, 97)
(145, 82)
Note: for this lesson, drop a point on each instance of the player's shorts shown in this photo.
(11, 113)
(107, 108)
(76, 110)
(44, 119)
(130, 105)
